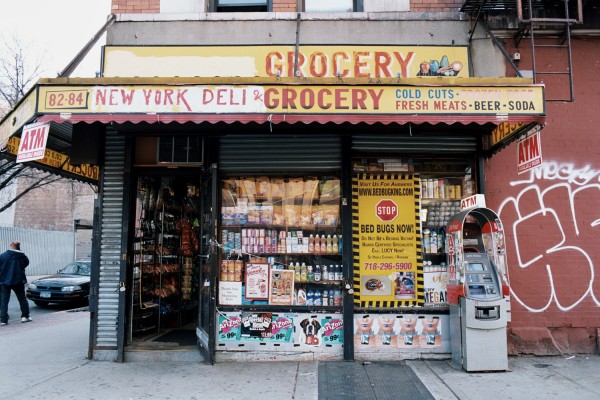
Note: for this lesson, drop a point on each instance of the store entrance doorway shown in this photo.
(165, 258)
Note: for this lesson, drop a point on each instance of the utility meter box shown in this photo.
(477, 291)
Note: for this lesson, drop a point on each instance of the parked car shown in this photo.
(70, 285)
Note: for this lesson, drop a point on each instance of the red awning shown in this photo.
(292, 118)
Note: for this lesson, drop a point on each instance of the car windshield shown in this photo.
(76, 268)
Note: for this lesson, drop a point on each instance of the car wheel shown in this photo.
(40, 303)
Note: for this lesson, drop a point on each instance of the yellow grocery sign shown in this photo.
(313, 99)
(387, 267)
(320, 61)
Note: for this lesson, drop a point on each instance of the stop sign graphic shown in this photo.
(386, 210)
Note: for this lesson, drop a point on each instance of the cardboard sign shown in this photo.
(282, 287)
(230, 293)
(257, 281)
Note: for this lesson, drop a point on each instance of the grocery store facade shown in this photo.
(268, 194)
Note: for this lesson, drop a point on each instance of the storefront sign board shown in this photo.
(387, 239)
(18, 117)
(33, 142)
(278, 61)
(60, 161)
(275, 99)
(477, 200)
(529, 151)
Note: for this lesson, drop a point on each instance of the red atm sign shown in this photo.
(529, 147)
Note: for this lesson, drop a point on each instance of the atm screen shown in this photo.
(475, 267)
(477, 290)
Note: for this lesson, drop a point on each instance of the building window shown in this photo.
(180, 149)
(329, 5)
(242, 5)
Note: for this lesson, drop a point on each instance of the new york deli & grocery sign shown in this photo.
(273, 99)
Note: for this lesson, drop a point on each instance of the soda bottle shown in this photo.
(303, 274)
(310, 274)
(338, 273)
(325, 296)
(325, 273)
(318, 273)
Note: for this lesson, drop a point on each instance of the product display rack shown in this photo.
(277, 229)
(165, 293)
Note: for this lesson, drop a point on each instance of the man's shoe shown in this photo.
(3, 323)
(26, 319)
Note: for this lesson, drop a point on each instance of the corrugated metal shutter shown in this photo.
(266, 154)
(110, 242)
(417, 144)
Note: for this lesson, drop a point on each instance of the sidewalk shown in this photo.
(46, 359)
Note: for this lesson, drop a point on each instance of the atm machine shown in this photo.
(478, 290)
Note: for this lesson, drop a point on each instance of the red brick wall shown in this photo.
(153, 6)
(551, 216)
(135, 6)
(47, 208)
(435, 5)
(285, 5)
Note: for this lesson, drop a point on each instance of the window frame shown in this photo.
(214, 4)
(357, 6)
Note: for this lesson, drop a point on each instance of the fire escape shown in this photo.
(546, 23)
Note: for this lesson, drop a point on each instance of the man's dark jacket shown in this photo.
(12, 267)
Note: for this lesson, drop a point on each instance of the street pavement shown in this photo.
(46, 359)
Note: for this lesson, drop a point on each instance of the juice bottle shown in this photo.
(311, 243)
(334, 246)
(323, 244)
(317, 245)
(297, 275)
(329, 248)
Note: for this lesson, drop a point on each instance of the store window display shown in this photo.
(281, 242)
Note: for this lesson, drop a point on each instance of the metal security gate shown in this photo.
(416, 144)
(274, 154)
(111, 300)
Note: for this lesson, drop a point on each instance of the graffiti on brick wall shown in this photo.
(554, 218)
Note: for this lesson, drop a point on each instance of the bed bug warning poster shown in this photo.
(387, 239)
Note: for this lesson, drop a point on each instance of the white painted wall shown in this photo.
(386, 5)
(182, 6)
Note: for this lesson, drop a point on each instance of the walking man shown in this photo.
(12, 277)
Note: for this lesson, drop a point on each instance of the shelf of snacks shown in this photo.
(280, 239)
